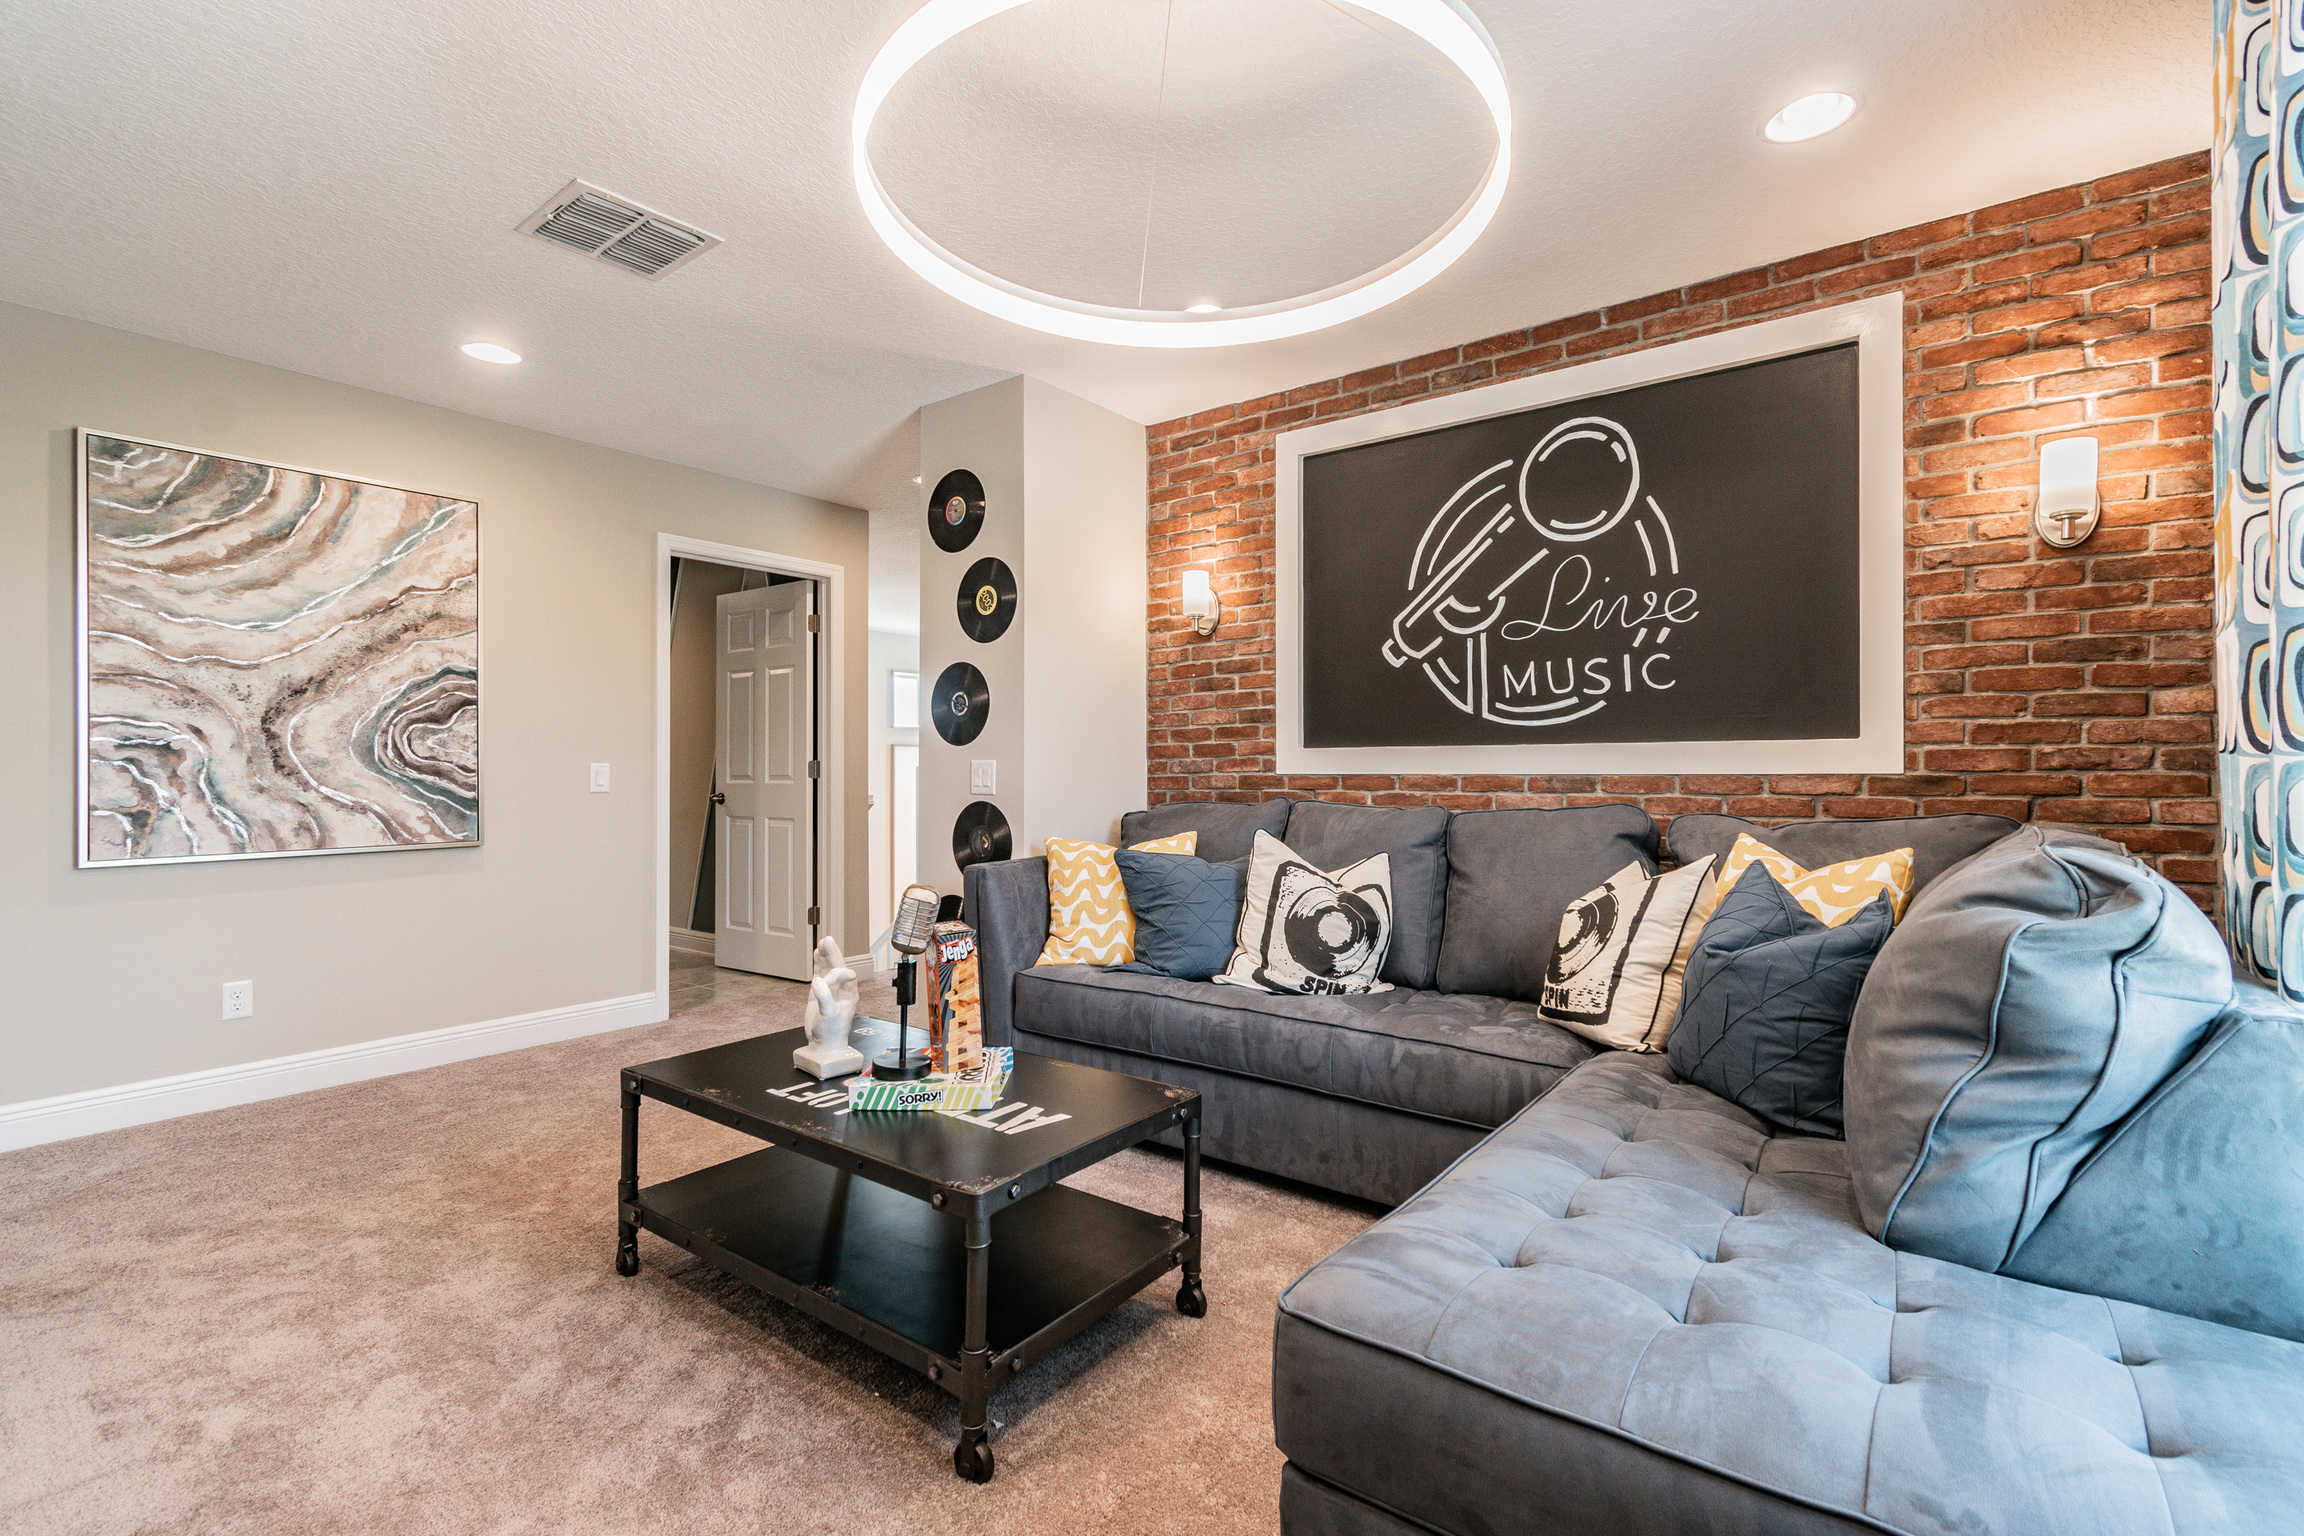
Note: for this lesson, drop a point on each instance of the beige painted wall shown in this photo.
(111, 975)
(1064, 507)
(891, 653)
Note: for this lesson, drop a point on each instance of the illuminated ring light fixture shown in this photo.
(1446, 25)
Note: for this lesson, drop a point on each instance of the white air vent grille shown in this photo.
(599, 223)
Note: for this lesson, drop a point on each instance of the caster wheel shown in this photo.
(627, 1262)
(973, 1462)
(1192, 1301)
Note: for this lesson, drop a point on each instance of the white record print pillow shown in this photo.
(1310, 931)
(1616, 972)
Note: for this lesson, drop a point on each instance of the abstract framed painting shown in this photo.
(274, 662)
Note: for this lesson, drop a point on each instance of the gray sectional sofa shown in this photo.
(1374, 1095)
(1625, 1306)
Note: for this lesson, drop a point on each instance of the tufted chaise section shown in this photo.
(1635, 1309)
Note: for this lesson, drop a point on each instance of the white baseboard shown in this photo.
(36, 1121)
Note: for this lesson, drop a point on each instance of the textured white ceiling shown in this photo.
(332, 188)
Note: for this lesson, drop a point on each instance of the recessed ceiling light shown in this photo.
(489, 352)
(916, 479)
(1810, 116)
(1202, 309)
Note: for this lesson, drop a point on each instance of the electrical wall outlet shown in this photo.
(599, 778)
(239, 999)
(984, 776)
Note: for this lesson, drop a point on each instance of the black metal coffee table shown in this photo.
(883, 1224)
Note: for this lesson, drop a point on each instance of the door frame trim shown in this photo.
(832, 747)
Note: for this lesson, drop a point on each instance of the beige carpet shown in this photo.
(389, 1307)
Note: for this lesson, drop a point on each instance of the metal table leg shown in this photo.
(972, 1458)
(1191, 1299)
(628, 1185)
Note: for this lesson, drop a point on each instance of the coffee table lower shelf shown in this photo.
(891, 1270)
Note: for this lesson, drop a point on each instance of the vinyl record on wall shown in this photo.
(987, 599)
(956, 511)
(960, 703)
(980, 835)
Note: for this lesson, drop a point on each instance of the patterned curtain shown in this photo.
(2258, 224)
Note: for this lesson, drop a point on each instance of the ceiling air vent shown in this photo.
(638, 239)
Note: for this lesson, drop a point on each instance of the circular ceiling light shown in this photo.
(1809, 117)
(1446, 25)
(489, 352)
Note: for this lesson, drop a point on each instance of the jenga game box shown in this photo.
(955, 1000)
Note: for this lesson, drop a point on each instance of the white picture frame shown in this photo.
(1875, 325)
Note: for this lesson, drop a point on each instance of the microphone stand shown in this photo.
(903, 1064)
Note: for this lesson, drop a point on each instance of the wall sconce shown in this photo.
(2066, 510)
(1200, 602)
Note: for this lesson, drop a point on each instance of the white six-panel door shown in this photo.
(764, 744)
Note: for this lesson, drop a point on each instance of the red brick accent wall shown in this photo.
(2050, 685)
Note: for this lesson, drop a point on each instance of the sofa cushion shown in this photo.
(1309, 930)
(1511, 874)
(1833, 893)
(2029, 1000)
(1089, 919)
(1473, 1060)
(1634, 1297)
(2195, 1203)
(1937, 842)
(1227, 828)
(1764, 1016)
(1416, 842)
(1187, 910)
(1623, 950)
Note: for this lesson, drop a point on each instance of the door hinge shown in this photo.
(815, 915)
(815, 625)
(815, 769)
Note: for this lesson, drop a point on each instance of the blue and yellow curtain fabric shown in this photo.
(2258, 224)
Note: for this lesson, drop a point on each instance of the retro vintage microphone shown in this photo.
(916, 913)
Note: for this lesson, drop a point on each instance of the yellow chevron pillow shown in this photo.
(1088, 918)
(1833, 893)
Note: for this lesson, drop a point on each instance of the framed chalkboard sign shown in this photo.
(1686, 560)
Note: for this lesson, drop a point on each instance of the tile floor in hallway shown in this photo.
(696, 981)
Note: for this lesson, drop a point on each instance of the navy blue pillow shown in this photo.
(1764, 1009)
(1186, 910)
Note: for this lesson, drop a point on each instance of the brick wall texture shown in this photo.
(2049, 685)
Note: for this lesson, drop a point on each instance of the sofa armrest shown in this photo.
(1007, 905)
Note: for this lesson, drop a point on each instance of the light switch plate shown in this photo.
(599, 778)
(984, 776)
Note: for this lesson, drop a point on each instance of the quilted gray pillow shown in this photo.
(1186, 910)
(2033, 995)
(1764, 1010)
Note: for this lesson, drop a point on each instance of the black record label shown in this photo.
(956, 511)
(987, 599)
(980, 835)
(959, 704)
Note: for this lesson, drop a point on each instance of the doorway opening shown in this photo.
(748, 830)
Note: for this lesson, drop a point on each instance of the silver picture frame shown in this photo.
(416, 749)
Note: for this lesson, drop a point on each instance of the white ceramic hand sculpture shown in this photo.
(832, 996)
